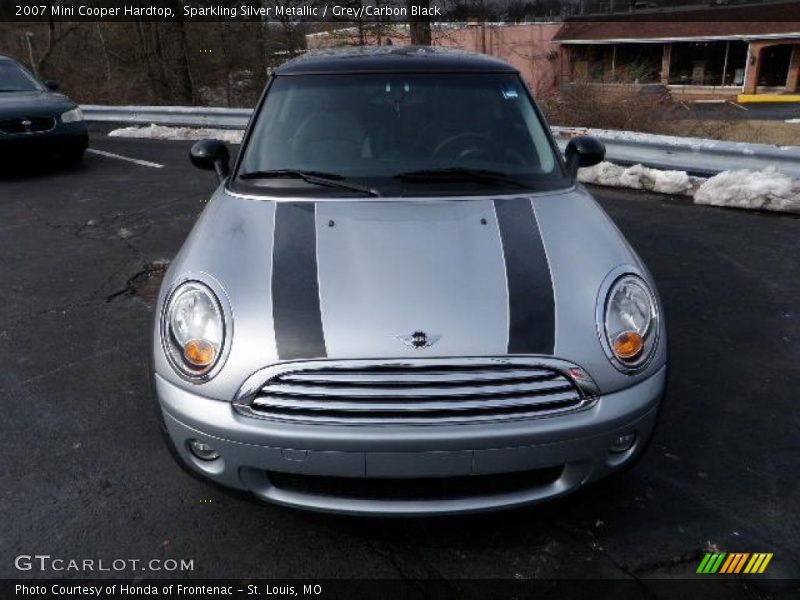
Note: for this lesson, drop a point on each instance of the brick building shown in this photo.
(529, 46)
(706, 53)
(720, 53)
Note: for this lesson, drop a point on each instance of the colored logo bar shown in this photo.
(734, 562)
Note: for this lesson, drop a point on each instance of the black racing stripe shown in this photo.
(295, 288)
(532, 327)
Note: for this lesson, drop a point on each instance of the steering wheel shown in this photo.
(474, 145)
(464, 145)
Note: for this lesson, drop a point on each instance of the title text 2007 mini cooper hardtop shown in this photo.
(399, 302)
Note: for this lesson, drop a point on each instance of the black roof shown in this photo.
(393, 59)
(13, 61)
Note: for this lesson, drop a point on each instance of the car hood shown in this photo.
(33, 104)
(407, 278)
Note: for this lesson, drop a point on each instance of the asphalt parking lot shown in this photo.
(85, 473)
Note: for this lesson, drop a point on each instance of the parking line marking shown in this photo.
(143, 163)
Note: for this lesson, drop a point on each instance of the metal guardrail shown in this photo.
(694, 155)
(697, 156)
(192, 116)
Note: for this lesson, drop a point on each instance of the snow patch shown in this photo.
(792, 121)
(764, 190)
(162, 132)
(638, 177)
(758, 190)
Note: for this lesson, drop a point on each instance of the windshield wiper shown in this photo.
(459, 174)
(333, 180)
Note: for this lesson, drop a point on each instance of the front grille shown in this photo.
(422, 391)
(27, 125)
(411, 489)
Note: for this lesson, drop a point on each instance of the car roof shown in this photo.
(8, 59)
(393, 59)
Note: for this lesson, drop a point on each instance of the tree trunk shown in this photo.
(106, 59)
(420, 29)
(185, 82)
(149, 49)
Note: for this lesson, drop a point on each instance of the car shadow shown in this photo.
(20, 170)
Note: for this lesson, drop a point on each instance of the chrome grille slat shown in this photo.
(418, 406)
(407, 377)
(425, 391)
(430, 419)
(534, 389)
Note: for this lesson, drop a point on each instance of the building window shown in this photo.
(617, 63)
(638, 63)
(708, 63)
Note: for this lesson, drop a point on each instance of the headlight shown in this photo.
(194, 331)
(630, 323)
(72, 116)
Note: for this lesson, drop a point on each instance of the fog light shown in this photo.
(622, 443)
(202, 450)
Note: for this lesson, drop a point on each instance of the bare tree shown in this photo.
(55, 35)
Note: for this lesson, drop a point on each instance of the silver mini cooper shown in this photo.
(398, 301)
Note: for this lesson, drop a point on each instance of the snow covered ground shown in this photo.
(164, 132)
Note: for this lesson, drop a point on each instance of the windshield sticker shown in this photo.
(510, 93)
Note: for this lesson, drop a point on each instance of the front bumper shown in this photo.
(575, 446)
(65, 138)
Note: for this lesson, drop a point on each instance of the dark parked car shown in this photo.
(35, 120)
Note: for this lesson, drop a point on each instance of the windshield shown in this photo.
(402, 133)
(15, 79)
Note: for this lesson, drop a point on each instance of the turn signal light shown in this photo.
(628, 345)
(199, 353)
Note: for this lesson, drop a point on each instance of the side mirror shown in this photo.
(583, 151)
(51, 84)
(211, 155)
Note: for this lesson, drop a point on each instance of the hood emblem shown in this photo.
(419, 339)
